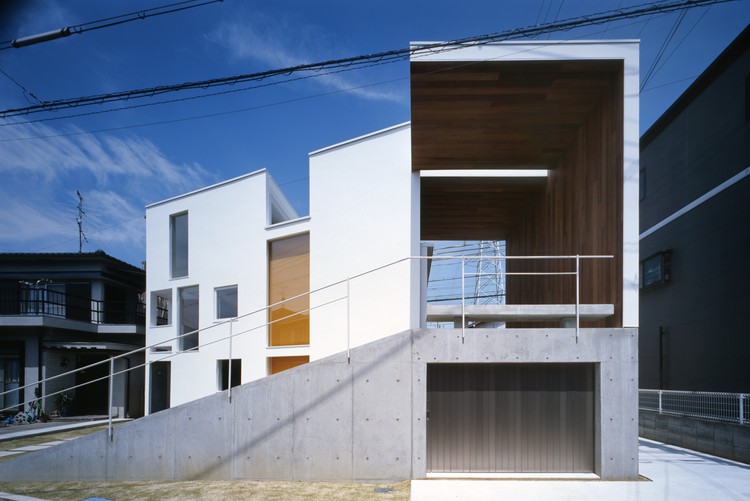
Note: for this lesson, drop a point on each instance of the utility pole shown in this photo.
(79, 220)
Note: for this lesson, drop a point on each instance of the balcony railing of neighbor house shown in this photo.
(42, 302)
(715, 406)
(262, 326)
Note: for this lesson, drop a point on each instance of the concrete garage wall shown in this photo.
(330, 420)
(727, 440)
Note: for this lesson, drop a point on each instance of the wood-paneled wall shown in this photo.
(580, 212)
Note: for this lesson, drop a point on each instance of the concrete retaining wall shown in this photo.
(331, 420)
(727, 440)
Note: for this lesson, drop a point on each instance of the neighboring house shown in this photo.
(60, 312)
(695, 233)
(532, 143)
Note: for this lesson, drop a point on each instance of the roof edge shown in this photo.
(359, 138)
(207, 188)
(709, 75)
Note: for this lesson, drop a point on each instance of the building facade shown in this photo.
(66, 311)
(534, 149)
(695, 227)
(532, 143)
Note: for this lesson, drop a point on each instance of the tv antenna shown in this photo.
(79, 220)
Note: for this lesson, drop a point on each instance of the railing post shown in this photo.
(463, 299)
(348, 325)
(110, 431)
(229, 365)
(578, 296)
(660, 394)
(742, 408)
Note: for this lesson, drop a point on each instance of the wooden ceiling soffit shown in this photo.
(493, 114)
(475, 208)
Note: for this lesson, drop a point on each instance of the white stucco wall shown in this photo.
(227, 241)
(628, 52)
(364, 208)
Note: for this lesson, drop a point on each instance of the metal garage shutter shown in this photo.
(510, 418)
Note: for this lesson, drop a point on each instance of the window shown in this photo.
(642, 184)
(289, 277)
(178, 228)
(279, 364)
(189, 320)
(226, 302)
(222, 368)
(656, 270)
(161, 308)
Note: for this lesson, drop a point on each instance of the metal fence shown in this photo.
(716, 406)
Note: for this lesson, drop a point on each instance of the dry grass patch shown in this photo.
(208, 490)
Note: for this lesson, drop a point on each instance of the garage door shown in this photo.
(510, 418)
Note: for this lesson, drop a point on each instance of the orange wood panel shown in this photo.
(279, 364)
(289, 276)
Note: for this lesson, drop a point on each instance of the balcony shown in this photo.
(51, 308)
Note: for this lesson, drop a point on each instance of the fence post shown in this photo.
(660, 393)
(229, 364)
(348, 325)
(578, 296)
(463, 299)
(110, 431)
(742, 408)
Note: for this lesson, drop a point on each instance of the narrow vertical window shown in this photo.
(226, 302)
(189, 321)
(179, 244)
(289, 277)
(642, 184)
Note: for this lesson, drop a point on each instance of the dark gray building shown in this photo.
(62, 312)
(695, 233)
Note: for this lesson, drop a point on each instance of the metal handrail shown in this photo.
(347, 280)
(577, 274)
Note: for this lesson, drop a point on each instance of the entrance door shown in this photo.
(92, 398)
(160, 381)
(510, 418)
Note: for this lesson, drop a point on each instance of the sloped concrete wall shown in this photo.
(339, 421)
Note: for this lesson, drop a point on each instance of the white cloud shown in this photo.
(281, 42)
(117, 176)
(103, 156)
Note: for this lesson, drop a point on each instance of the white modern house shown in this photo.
(322, 320)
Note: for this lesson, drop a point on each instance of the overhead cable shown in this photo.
(103, 23)
(380, 57)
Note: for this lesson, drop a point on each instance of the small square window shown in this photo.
(656, 270)
(226, 302)
(222, 367)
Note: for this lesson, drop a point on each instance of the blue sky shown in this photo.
(123, 160)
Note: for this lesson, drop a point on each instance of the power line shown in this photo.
(103, 23)
(669, 56)
(379, 57)
(26, 92)
(663, 48)
(212, 94)
(200, 117)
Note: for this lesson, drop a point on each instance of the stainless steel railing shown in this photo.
(716, 406)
